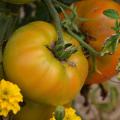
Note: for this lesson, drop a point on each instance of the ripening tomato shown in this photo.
(30, 63)
(98, 28)
(18, 1)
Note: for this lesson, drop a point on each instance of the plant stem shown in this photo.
(56, 19)
(83, 43)
(91, 50)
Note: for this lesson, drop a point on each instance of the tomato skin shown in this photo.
(98, 29)
(106, 68)
(41, 76)
(18, 1)
(99, 26)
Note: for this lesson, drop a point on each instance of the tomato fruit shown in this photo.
(19, 1)
(98, 28)
(41, 76)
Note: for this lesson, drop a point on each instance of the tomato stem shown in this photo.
(59, 113)
(55, 16)
(69, 28)
(61, 50)
(83, 43)
(62, 5)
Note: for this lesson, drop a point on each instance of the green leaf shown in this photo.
(110, 45)
(116, 28)
(111, 13)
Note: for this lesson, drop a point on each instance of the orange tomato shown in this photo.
(98, 28)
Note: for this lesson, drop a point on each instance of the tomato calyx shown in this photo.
(63, 51)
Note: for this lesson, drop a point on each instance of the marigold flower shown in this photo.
(69, 115)
(10, 97)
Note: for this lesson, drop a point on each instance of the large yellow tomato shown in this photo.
(41, 76)
(19, 1)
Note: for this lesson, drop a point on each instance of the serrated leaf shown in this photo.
(110, 45)
(111, 13)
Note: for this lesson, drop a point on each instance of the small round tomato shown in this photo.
(29, 62)
(98, 28)
(19, 1)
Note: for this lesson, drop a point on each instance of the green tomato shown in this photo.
(18, 1)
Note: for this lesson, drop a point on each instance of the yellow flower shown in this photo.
(69, 115)
(10, 97)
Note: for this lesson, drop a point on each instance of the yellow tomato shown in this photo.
(41, 76)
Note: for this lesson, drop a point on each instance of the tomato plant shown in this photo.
(19, 1)
(98, 28)
(47, 61)
(29, 62)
